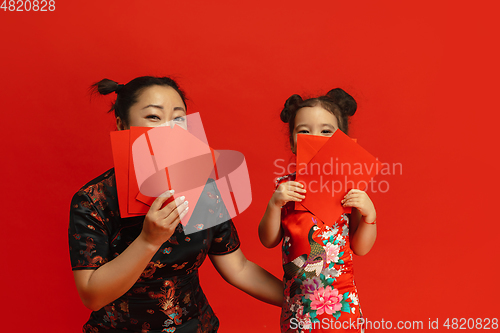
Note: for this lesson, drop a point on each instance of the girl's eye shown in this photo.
(326, 131)
(153, 117)
(303, 131)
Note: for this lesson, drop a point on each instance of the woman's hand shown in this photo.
(111, 280)
(160, 223)
(361, 201)
(287, 191)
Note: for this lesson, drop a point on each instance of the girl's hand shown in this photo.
(160, 223)
(288, 191)
(361, 201)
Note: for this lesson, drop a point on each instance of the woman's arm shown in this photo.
(110, 281)
(362, 225)
(270, 231)
(249, 277)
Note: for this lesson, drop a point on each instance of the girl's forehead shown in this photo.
(313, 115)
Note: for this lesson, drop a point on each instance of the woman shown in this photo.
(140, 274)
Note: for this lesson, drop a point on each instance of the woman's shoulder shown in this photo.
(99, 190)
(107, 178)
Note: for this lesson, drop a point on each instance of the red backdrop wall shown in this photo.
(425, 75)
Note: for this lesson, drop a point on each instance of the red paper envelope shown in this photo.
(337, 167)
(307, 147)
(120, 144)
(145, 157)
(151, 160)
(136, 207)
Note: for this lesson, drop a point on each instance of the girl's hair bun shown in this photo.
(107, 86)
(290, 107)
(345, 102)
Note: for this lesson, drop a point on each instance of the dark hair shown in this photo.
(337, 101)
(126, 94)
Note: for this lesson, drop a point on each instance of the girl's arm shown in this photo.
(240, 272)
(270, 231)
(110, 281)
(362, 225)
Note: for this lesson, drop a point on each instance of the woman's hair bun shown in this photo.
(346, 102)
(290, 107)
(107, 86)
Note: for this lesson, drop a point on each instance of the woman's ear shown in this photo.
(119, 124)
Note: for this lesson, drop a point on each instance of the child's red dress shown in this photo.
(319, 290)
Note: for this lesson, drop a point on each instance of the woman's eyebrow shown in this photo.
(177, 108)
(154, 106)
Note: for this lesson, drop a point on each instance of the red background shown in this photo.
(425, 75)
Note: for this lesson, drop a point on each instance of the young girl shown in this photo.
(320, 293)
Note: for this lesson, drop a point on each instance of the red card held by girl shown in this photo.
(338, 166)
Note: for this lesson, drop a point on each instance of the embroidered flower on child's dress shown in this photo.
(327, 234)
(332, 273)
(325, 300)
(303, 318)
(345, 230)
(340, 240)
(310, 285)
(354, 298)
(332, 252)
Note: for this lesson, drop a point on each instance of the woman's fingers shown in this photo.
(162, 198)
(172, 210)
(176, 221)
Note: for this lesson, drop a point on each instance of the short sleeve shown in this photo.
(88, 234)
(225, 237)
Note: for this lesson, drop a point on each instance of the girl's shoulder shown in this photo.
(285, 178)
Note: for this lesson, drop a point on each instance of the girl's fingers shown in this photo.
(297, 184)
(295, 194)
(296, 197)
(351, 203)
(294, 186)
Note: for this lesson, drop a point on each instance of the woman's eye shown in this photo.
(180, 119)
(153, 117)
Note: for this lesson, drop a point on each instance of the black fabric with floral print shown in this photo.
(167, 297)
